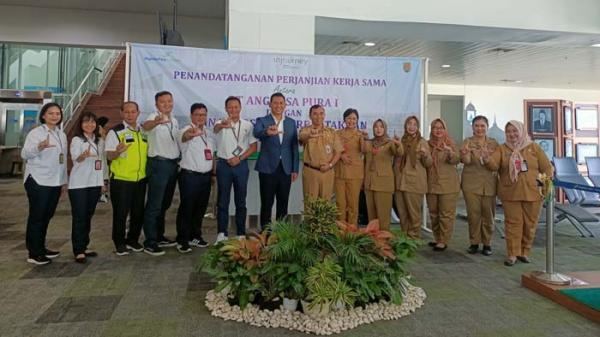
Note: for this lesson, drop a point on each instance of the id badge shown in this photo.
(524, 167)
(129, 138)
(328, 149)
(98, 165)
(518, 165)
(208, 154)
(61, 158)
(238, 150)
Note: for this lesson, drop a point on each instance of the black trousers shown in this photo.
(127, 198)
(42, 205)
(274, 186)
(83, 206)
(194, 191)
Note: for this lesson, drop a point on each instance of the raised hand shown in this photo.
(194, 132)
(365, 134)
(272, 130)
(122, 147)
(161, 119)
(226, 123)
(44, 144)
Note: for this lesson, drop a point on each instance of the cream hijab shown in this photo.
(523, 141)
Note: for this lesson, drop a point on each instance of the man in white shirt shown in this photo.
(163, 156)
(235, 143)
(197, 168)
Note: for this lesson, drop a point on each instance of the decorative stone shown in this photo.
(334, 322)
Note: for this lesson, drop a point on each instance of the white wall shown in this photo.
(99, 28)
(506, 103)
(275, 25)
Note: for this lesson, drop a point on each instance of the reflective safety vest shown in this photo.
(130, 166)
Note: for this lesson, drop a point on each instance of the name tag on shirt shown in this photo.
(129, 138)
(208, 154)
(238, 150)
(98, 165)
(61, 158)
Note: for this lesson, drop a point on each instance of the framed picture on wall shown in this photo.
(586, 118)
(586, 150)
(568, 147)
(547, 144)
(568, 118)
(542, 119)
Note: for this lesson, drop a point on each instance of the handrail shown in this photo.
(84, 86)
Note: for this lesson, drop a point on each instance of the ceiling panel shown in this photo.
(483, 63)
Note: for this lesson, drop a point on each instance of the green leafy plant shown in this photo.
(319, 219)
(325, 287)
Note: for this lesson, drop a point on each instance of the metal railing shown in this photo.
(90, 83)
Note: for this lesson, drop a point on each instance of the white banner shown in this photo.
(378, 87)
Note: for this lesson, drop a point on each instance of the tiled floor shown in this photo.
(139, 295)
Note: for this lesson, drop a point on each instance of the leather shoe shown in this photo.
(523, 259)
(91, 253)
(431, 244)
(80, 258)
(473, 249)
(439, 249)
(487, 250)
(509, 262)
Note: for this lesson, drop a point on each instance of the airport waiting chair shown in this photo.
(566, 170)
(593, 167)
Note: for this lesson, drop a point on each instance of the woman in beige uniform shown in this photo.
(479, 186)
(411, 177)
(519, 161)
(443, 184)
(379, 173)
(350, 169)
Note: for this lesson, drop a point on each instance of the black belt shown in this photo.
(195, 172)
(312, 167)
(164, 159)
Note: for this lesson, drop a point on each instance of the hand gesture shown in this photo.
(346, 159)
(272, 130)
(314, 133)
(45, 144)
(226, 123)
(449, 151)
(122, 147)
(86, 154)
(465, 149)
(324, 168)
(194, 132)
(365, 134)
(161, 119)
(485, 154)
(422, 153)
(234, 161)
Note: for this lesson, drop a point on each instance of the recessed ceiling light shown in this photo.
(518, 81)
(445, 66)
(369, 44)
(595, 45)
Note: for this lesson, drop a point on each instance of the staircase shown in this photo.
(106, 102)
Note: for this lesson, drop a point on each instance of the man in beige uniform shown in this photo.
(322, 150)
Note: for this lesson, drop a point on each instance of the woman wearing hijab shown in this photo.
(411, 177)
(379, 173)
(443, 185)
(519, 161)
(479, 186)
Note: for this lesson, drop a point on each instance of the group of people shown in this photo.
(147, 161)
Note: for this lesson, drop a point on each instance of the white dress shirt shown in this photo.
(45, 166)
(86, 174)
(227, 142)
(162, 140)
(279, 126)
(192, 151)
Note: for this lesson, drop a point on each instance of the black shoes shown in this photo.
(431, 244)
(39, 260)
(523, 259)
(184, 249)
(487, 250)
(51, 254)
(134, 246)
(473, 249)
(165, 242)
(121, 251)
(154, 250)
(199, 242)
(90, 253)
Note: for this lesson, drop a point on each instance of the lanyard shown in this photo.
(201, 137)
(55, 137)
(237, 136)
(93, 145)
(170, 127)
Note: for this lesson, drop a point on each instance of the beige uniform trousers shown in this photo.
(520, 223)
(379, 206)
(480, 216)
(317, 184)
(347, 192)
(410, 206)
(442, 211)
